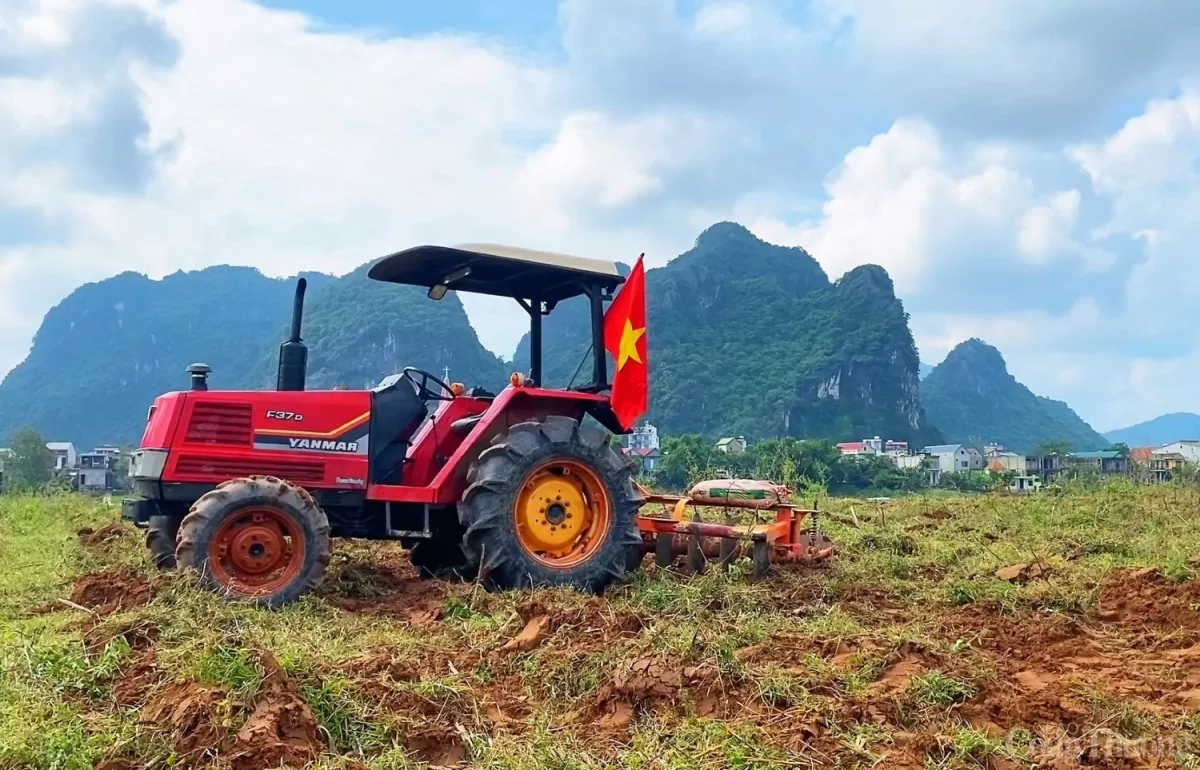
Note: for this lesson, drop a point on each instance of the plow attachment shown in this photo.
(780, 532)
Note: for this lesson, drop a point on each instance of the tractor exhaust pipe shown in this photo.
(293, 354)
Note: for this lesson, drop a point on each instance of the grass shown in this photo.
(789, 672)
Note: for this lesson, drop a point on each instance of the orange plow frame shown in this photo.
(791, 537)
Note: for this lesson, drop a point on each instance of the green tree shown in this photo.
(31, 465)
(1053, 448)
(1121, 448)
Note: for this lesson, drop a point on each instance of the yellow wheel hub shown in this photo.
(562, 513)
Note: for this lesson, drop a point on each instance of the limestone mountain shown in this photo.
(749, 338)
(971, 396)
(103, 353)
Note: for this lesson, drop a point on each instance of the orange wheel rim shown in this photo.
(256, 551)
(562, 513)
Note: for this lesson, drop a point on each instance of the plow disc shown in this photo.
(780, 533)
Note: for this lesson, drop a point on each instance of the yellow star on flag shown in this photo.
(628, 348)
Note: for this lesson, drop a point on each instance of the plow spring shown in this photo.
(780, 533)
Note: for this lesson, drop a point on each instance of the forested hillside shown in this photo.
(972, 397)
(103, 353)
(749, 338)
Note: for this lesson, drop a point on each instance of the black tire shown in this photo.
(237, 496)
(486, 510)
(161, 533)
(441, 559)
(634, 556)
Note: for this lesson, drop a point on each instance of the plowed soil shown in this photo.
(931, 644)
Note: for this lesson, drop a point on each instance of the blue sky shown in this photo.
(1026, 171)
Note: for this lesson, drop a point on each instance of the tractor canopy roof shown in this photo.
(503, 271)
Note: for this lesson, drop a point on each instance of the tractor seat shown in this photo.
(396, 414)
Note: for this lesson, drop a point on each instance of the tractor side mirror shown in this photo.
(437, 291)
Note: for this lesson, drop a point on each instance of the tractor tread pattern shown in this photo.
(486, 508)
(226, 498)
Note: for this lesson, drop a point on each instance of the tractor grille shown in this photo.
(299, 471)
(220, 422)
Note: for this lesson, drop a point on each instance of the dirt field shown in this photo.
(1061, 630)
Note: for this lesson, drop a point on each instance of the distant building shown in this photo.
(1045, 467)
(644, 436)
(65, 457)
(95, 472)
(874, 446)
(1002, 461)
(1164, 465)
(950, 458)
(974, 459)
(856, 448)
(734, 445)
(1106, 463)
(646, 459)
(1025, 484)
(1189, 450)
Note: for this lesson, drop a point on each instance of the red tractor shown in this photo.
(519, 488)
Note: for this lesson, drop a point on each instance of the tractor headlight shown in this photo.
(148, 463)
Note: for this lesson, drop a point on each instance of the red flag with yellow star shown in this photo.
(625, 339)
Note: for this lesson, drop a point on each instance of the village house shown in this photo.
(65, 456)
(1107, 462)
(1189, 450)
(733, 445)
(855, 448)
(95, 472)
(999, 460)
(646, 459)
(953, 458)
(1164, 466)
(644, 436)
(1044, 467)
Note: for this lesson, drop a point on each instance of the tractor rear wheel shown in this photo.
(550, 503)
(161, 532)
(260, 539)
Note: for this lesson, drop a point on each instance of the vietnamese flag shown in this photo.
(625, 339)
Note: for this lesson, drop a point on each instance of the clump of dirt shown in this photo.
(111, 591)
(1022, 573)
(136, 683)
(191, 715)
(1155, 611)
(529, 637)
(281, 730)
(139, 634)
(102, 536)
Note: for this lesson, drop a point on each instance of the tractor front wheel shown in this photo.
(260, 539)
(550, 503)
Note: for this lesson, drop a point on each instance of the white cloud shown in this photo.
(156, 136)
(908, 203)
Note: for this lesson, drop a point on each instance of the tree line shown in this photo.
(684, 460)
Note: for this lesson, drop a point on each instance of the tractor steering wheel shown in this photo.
(422, 385)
